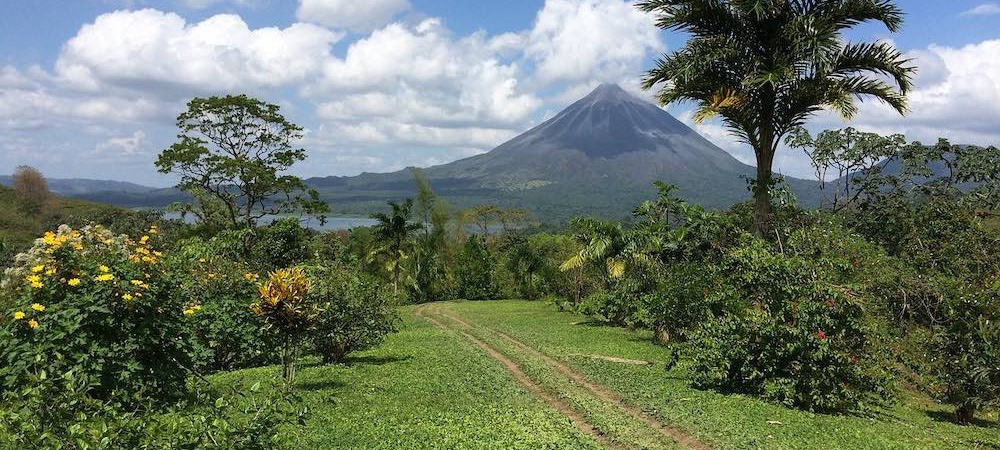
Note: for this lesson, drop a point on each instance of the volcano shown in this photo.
(599, 156)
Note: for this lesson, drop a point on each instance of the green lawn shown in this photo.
(424, 388)
(430, 387)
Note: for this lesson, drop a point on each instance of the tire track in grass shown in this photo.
(558, 404)
(679, 437)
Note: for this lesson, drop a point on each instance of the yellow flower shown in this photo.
(103, 268)
(78, 247)
(38, 307)
(251, 277)
(143, 240)
(189, 312)
(104, 277)
(126, 296)
(33, 324)
(153, 229)
(73, 282)
(37, 269)
(51, 271)
(35, 281)
(19, 315)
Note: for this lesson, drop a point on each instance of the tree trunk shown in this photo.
(762, 194)
(661, 335)
(965, 413)
(395, 281)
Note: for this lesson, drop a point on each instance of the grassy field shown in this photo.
(513, 374)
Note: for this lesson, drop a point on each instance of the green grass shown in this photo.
(724, 421)
(424, 388)
(432, 388)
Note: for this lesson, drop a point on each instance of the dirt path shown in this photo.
(560, 405)
(680, 437)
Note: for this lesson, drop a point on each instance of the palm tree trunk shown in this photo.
(762, 193)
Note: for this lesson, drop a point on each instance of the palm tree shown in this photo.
(766, 66)
(392, 233)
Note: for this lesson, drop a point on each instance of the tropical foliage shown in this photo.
(764, 67)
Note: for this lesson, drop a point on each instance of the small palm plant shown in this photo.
(393, 233)
(286, 309)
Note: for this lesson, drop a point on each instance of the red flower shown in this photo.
(830, 303)
(821, 335)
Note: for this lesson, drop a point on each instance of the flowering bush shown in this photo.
(98, 305)
(795, 338)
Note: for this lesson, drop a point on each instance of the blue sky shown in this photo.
(89, 88)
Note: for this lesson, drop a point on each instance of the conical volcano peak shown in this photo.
(608, 122)
(609, 92)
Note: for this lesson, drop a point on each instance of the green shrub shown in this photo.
(685, 297)
(227, 335)
(968, 350)
(357, 311)
(100, 306)
(474, 270)
(796, 339)
(58, 414)
(237, 421)
(284, 243)
(332, 247)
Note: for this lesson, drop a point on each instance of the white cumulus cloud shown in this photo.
(132, 145)
(357, 15)
(957, 95)
(986, 9)
(579, 40)
(157, 51)
(421, 85)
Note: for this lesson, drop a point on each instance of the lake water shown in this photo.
(332, 223)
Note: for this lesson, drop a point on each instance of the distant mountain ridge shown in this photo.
(83, 186)
(599, 156)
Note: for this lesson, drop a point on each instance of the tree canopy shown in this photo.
(231, 157)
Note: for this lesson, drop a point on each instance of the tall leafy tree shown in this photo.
(393, 234)
(232, 154)
(849, 156)
(428, 262)
(765, 66)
